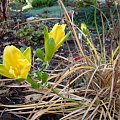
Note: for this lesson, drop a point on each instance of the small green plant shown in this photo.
(30, 33)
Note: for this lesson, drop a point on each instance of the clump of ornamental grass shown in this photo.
(102, 80)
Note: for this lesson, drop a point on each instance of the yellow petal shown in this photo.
(25, 67)
(57, 33)
(12, 72)
(25, 70)
(60, 33)
(62, 40)
(11, 56)
(5, 72)
(27, 54)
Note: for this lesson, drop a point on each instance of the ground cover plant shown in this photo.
(61, 68)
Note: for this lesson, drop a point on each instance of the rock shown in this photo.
(31, 18)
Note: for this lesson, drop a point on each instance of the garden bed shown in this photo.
(84, 79)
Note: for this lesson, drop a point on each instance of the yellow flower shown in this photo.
(84, 28)
(16, 64)
(58, 33)
(54, 39)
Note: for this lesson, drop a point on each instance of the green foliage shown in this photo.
(33, 83)
(42, 76)
(49, 46)
(86, 15)
(49, 49)
(30, 33)
(38, 3)
(84, 3)
(40, 54)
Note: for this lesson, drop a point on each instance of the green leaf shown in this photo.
(46, 35)
(85, 31)
(20, 80)
(49, 49)
(35, 85)
(40, 54)
(49, 45)
(39, 75)
(29, 79)
(4, 71)
(42, 76)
